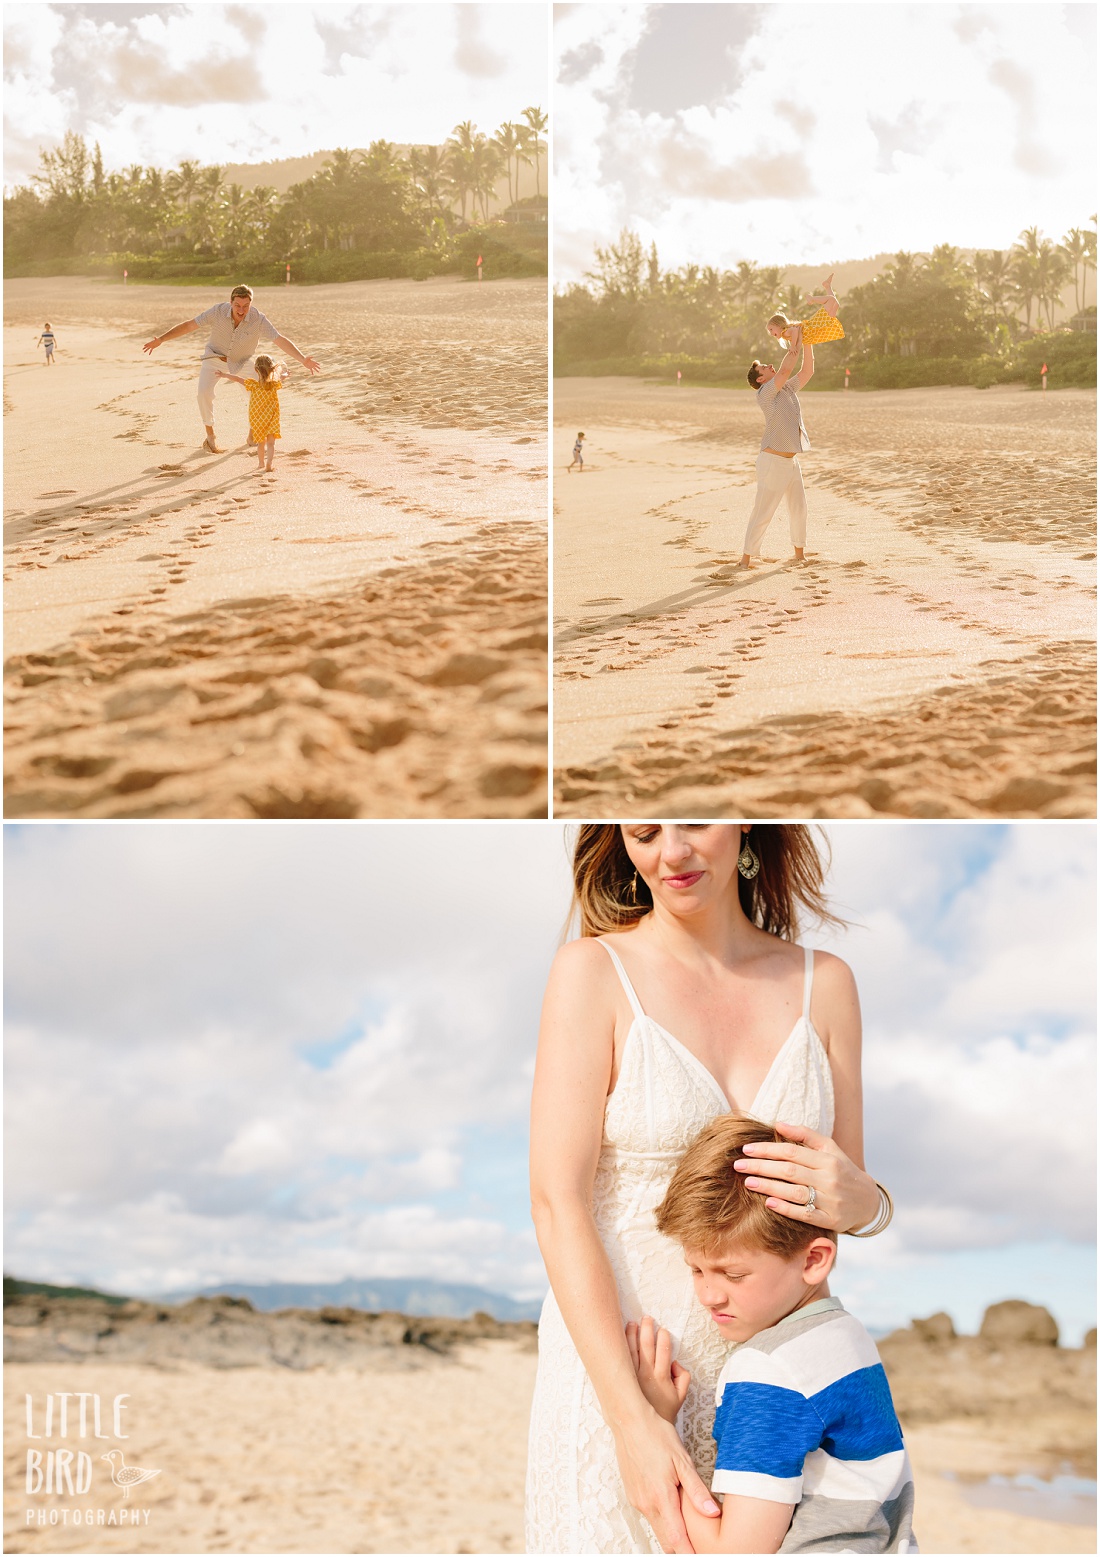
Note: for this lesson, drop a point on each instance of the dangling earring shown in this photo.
(634, 888)
(747, 863)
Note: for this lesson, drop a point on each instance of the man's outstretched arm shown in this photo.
(170, 335)
(288, 346)
(807, 371)
(786, 367)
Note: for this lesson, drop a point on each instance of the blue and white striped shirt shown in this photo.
(804, 1416)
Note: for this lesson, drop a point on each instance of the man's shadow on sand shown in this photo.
(40, 522)
(683, 600)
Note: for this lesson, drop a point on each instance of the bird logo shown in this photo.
(126, 1476)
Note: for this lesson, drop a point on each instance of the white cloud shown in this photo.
(249, 83)
(845, 131)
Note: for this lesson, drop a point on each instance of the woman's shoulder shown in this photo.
(583, 964)
(832, 973)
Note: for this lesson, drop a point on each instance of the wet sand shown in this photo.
(360, 633)
(933, 657)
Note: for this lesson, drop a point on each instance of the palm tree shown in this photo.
(428, 165)
(1052, 271)
(768, 281)
(1025, 270)
(509, 140)
(1075, 247)
(744, 283)
(485, 165)
(261, 206)
(460, 171)
(790, 301)
(1089, 261)
(993, 273)
(184, 183)
(234, 214)
(536, 123)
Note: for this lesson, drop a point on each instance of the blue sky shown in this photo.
(255, 1052)
(809, 134)
(252, 82)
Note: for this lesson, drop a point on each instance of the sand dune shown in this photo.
(361, 633)
(934, 657)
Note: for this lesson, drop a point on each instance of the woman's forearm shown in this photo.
(584, 1287)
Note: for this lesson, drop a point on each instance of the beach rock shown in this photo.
(937, 1327)
(1090, 1339)
(1017, 1323)
(228, 1332)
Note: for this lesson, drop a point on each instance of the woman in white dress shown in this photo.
(686, 930)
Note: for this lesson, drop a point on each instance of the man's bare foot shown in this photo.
(746, 561)
(269, 468)
(209, 444)
(799, 554)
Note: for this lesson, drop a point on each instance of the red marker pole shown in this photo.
(288, 272)
(479, 267)
(1043, 370)
(678, 378)
(125, 277)
(847, 376)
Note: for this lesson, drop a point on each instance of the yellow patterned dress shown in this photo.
(263, 408)
(822, 326)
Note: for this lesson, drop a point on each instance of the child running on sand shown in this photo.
(820, 326)
(810, 1456)
(263, 406)
(578, 455)
(49, 340)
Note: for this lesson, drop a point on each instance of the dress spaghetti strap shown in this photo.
(635, 1003)
(808, 983)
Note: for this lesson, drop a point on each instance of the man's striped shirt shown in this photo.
(804, 1416)
(783, 429)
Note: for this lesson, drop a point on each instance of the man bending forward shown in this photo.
(236, 330)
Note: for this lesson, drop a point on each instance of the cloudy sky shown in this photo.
(806, 134)
(250, 83)
(268, 1052)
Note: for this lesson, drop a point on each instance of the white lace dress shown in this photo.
(663, 1097)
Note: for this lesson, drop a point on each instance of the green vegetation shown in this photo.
(941, 318)
(364, 215)
(14, 1288)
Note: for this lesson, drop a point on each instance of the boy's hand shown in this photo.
(663, 1382)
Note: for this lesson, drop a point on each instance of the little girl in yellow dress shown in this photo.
(820, 326)
(263, 407)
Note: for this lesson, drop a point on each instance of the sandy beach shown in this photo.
(935, 656)
(403, 1436)
(367, 635)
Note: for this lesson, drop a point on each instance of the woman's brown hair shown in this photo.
(790, 880)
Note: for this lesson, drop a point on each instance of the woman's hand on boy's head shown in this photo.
(663, 1382)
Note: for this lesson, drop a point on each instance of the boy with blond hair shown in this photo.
(810, 1453)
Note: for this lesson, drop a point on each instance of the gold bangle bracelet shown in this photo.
(882, 1218)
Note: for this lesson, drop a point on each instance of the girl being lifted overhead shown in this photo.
(820, 326)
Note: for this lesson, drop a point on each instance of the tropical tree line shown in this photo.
(940, 304)
(379, 198)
